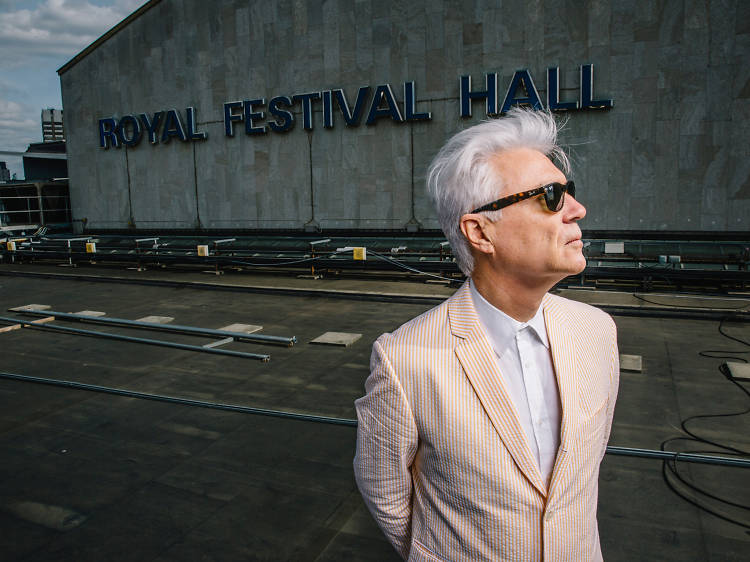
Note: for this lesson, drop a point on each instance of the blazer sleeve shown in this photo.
(614, 383)
(387, 441)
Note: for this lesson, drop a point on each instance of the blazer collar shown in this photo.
(475, 354)
(561, 333)
(478, 361)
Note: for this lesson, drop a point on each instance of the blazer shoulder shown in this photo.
(582, 313)
(413, 332)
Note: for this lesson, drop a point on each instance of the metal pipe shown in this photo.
(675, 312)
(176, 328)
(618, 451)
(673, 456)
(162, 343)
(39, 202)
(183, 401)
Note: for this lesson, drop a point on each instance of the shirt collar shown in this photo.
(501, 328)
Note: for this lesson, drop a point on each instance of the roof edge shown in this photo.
(80, 56)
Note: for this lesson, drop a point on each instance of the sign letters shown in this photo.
(281, 113)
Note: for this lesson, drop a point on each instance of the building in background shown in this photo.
(52, 125)
(4, 172)
(45, 161)
(289, 116)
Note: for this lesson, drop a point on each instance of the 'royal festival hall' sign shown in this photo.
(257, 117)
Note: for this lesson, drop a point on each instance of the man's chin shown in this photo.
(577, 266)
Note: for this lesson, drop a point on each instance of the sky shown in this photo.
(36, 38)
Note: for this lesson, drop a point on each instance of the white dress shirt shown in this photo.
(525, 364)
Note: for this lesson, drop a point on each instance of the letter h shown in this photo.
(490, 94)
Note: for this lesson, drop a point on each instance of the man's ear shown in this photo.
(474, 228)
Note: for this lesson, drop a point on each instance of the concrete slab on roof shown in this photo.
(30, 307)
(156, 319)
(631, 362)
(337, 338)
(242, 328)
(51, 516)
(739, 371)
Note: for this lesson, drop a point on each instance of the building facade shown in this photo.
(45, 161)
(291, 115)
(4, 172)
(52, 125)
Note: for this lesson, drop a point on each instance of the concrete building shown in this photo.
(4, 172)
(45, 161)
(52, 125)
(324, 115)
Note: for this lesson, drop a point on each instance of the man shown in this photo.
(486, 418)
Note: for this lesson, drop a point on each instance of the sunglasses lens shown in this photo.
(555, 195)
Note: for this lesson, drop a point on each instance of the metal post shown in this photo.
(216, 243)
(138, 251)
(443, 256)
(39, 200)
(312, 255)
(70, 250)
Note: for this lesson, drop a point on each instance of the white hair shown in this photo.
(460, 178)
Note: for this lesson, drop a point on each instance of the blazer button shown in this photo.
(548, 516)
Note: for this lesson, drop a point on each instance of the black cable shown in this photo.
(409, 268)
(670, 466)
(651, 269)
(732, 357)
(705, 353)
(674, 471)
(274, 264)
(722, 370)
(723, 333)
(695, 503)
(372, 252)
(732, 309)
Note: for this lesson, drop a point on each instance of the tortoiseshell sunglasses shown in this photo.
(554, 196)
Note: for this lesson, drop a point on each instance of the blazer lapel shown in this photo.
(566, 362)
(478, 361)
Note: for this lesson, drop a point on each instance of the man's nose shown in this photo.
(573, 210)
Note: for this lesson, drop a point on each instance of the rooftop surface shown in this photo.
(93, 476)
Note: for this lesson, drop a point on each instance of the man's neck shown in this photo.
(511, 295)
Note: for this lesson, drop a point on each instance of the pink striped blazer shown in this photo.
(442, 461)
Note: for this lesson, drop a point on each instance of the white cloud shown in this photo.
(9, 88)
(56, 28)
(36, 38)
(18, 129)
(20, 124)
